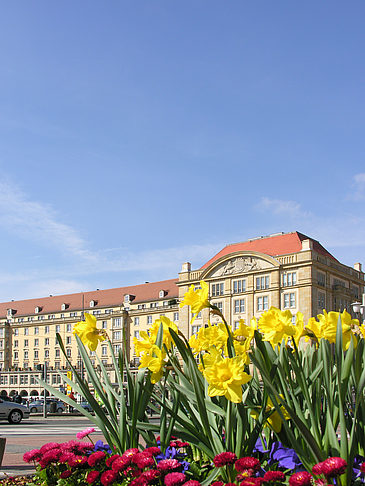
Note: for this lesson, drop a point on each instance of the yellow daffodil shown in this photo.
(210, 336)
(167, 324)
(274, 420)
(326, 327)
(88, 333)
(225, 377)
(144, 343)
(197, 298)
(154, 361)
(276, 325)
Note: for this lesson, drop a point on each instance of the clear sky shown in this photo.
(137, 135)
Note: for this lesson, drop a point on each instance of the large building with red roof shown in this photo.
(286, 270)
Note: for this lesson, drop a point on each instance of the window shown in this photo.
(46, 353)
(68, 339)
(96, 312)
(104, 324)
(16, 332)
(36, 342)
(289, 279)
(239, 306)
(26, 331)
(68, 328)
(262, 282)
(262, 303)
(217, 289)
(1, 332)
(149, 319)
(36, 354)
(13, 379)
(46, 341)
(219, 305)
(116, 348)
(141, 306)
(289, 300)
(51, 316)
(62, 316)
(36, 330)
(136, 334)
(136, 321)
(57, 353)
(116, 335)
(21, 319)
(16, 355)
(26, 343)
(40, 318)
(321, 300)
(68, 352)
(16, 343)
(46, 329)
(153, 304)
(236, 325)
(30, 319)
(108, 311)
(73, 314)
(104, 351)
(116, 322)
(239, 286)
(195, 329)
(176, 316)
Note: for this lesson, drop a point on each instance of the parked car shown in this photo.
(86, 405)
(36, 406)
(13, 412)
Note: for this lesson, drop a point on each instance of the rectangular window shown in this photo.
(104, 351)
(289, 279)
(116, 348)
(46, 353)
(68, 328)
(239, 286)
(289, 300)
(46, 341)
(51, 316)
(236, 325)
(141, 306)
(239, 306)
(16, 343)
(16, 355)
(136, 321)
(26, 331)
(73, 314)
(262, 282)
(219, 305)
(149, 319)
(36, 330)
(46, 329)
(40, 318)
(153, 305)
(136, 334)
(176, 316)
(57, 351)
(58, 328)
(217, 289)
(26, 343)
(262, 303)
(36, 342)
(16, 332)
(1, 332)
(321, 300)
(36, 354)
(68, 339)
(96, 312)
(116, 335)
(104, 324)
(195, 329)
(117, 322)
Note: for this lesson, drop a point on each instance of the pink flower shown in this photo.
(153, 451)
(251, 482)
(317, 469)
(174, 479)
(168, 465)
(84, 433)
(151, 475)
(48, 447)
(108, 477)
(65, 474)
(143, 460)
(224, 458)
(274, 476)
(92, 476)
(192, 482)
(95, 458)
(333, 466)
(217, 483)
(33, 455)
(247, 463)
(302, 478)
(111, 459)
(49, 457)
(77, 461)
(120, 463)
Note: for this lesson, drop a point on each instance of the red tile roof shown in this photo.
(275, 245)
(104, 298)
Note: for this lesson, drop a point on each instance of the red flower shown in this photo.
(153, 451)
(247, 463)
(95, 458)
(230, 484)
(174, 479)
(111, 459)
(251, 482)
(120, 463)
(49, 457)
(362, 467)
(150, 476)
(49, 446)
(77, 461)
(317, 469)
(143, 460)
(168, 465)
(92, 476)
(193, 482)
(224, 458)
(302, 478)
(217, 483)
(274, 476)
(334, 466)
(108, 477)
(65, 474)
(33, 455)
(182, 444)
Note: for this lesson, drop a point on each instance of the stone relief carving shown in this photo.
(239, 265)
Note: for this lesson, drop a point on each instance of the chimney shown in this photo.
(307, 245)
(358, 267)
(186, 267)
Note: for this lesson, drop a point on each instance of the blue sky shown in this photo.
(135, 136)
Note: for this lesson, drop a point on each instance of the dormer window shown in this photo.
(10, 312)
(64, 306)
(162, 294)
(37, 309)
(93, 303)
(128, 298)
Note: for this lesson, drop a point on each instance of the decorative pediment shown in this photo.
(240, 264)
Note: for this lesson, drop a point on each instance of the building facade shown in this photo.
(286, 270)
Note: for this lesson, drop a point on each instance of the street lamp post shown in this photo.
(359, 308)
